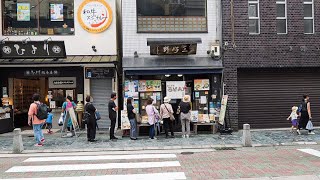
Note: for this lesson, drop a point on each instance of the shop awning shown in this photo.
(171, 65)
(68, 60)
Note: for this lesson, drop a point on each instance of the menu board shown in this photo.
(201, 84)
(149, 85)
(56, 12)
(23, 11)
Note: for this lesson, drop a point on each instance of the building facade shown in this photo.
(271, 58)
(58, 48)
(172, 48)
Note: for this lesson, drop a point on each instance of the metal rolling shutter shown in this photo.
(101, 90)
(266, 96)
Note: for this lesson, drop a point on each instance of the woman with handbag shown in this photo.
(166, 113)
(91, 119)
(153, 117)
(185, 115)
(133, 123)
(305, 115)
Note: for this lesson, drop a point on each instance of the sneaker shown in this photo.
(183, 136)
(43, 140)
(38, 145)
(187, 136)
(311, 133)
(298, 131)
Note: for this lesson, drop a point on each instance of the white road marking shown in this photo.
(106, 157)
(153, 176)
(311, 151)
(74, 167)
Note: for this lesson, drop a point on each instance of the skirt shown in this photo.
(294, 122)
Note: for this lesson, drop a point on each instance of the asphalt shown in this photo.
(55, 143)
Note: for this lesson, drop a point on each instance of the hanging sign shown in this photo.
(176, 49)
(32, 50)
(175, 89)
(95, 16)
(99, 73)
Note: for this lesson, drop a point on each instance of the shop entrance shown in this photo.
(101, 90)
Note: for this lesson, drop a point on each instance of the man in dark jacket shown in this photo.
(113, 108)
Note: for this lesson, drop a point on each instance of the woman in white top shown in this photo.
(165, 111)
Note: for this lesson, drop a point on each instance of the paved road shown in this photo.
(302, 162)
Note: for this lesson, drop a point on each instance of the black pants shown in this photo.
(91, 131)
(113, 125)
(168, 124)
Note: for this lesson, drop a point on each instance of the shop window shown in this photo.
(254, 17)
(281, 17)
(171, 16)
(308, 16)
(38, 17)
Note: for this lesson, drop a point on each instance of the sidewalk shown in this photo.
(54, 143)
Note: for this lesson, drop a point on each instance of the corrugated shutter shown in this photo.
(101, 90)
(266, 96)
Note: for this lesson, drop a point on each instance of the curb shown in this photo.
(217, 146)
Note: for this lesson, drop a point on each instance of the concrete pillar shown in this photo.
(17, 141)
(246, 137)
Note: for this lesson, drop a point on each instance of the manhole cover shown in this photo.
(185, 153)
(225, 148)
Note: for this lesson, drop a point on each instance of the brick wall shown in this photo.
(268, 49)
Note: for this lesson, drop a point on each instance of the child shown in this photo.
(294, 119)
(49, 121)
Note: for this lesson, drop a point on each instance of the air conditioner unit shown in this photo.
(215, 50)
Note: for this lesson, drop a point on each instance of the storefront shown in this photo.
(175, 76)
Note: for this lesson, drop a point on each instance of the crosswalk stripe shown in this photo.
(311, 151)
(106, 157)
(93, 166)
(153, 176)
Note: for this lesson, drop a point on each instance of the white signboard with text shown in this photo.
(175, 89)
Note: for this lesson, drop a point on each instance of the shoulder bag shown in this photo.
(172, 118)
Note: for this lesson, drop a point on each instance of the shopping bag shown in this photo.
(138, 118)
(60, 121)
(309, 125)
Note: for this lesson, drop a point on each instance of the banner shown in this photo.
(149, 85)
(201, 84)
(125, 123)
(222, 115)
(175, 89)
(23, 11)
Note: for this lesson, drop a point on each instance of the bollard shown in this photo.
(246, 137)
(17, 141)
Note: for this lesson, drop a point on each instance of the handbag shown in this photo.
(156, 116)
(98, 116)
(138, 118)
(309, 125)
(172, 118)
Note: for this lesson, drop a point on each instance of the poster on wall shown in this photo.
(201, 84)
(194, 116)
(175, 89)
(149, 85)
(131, 89)
(69, 93)
(23, 11)
(223, 109)
(56, 12)
(125, 123)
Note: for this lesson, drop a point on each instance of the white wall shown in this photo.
(82, 41)
(133, 41)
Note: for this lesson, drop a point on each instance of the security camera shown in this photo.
(94, 48)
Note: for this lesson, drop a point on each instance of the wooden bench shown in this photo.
(213, 127)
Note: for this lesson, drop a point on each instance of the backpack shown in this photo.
(42, 111)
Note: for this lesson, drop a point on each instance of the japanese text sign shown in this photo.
(177, 49)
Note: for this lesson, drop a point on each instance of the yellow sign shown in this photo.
(95, 16)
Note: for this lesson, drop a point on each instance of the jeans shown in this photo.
(168, 124)
(133, 128)
(38, 135)
(113, 126)
(185, 123)
(151, 131)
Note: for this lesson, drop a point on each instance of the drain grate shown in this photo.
(186, 153)
(225, 148)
